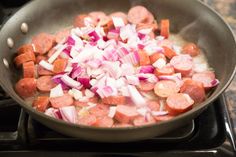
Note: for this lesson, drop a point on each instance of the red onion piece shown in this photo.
(94, 36)
(146, 69)
(84, 81)
(69, 114)
(70, 41)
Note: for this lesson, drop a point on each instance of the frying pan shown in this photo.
(191, 19)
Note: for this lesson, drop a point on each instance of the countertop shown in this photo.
(227, 8)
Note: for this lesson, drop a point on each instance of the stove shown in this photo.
(210, 134)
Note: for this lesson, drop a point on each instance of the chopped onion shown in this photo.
(89, 94)
(142, 111)
(56, 54)
(46, 65)
(95, 63)
(94, 36)
(175, 77)
(122, 52)
(113, 34)
(127, 69)
(56, 91)
(105, 91)
(146, 69)
(70, 82)
(76, 93)
(124, 91)
(159, 113)
(76, 72)
(136, 97)
(57, 114)
(112, 111)
(69, 114)
(141, 36)
(141, 46)
(215, 82)
(145, 31)
(70, 41)
(50, 112)
(132, 80)
(118, 22)
(84, 81)
(160, 63)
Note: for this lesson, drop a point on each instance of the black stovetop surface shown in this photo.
(208, 135)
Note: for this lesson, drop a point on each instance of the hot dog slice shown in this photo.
(100, 110)
(146, 86)
(154, 57)
(194, 89)
(143, 58)
(41, 103)
(104, 122)
(125, 114)
(28, 69)
(165, 28)
(114, 100)
(25, 57)
(59, 65)
(206, 78)
(45, 83)
(120, 15)
(191, 49)
(140, 121)
(62, 101)
(179, 103)
(138, 14)
(26, 87)
(88, 120)
(169, 53)
(62, 35)
(163, 118)
(182, 64)
(165, 88)
(166, 70)
(44, 41)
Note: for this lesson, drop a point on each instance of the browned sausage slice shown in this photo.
(62, 35)
(179, 103)
(125, 113)
(26, 87)
(191, 49)
(41, 103)
(138, 14)
(28, 69)
(182, 64)
(205, 77)
(146, 86)
(114, 100)
(43, 72)
(104, 122)
(100, 110)
(194, 89)
(165, 88)
(45, 83)
(44, 41)
(25, 57)
(140, 121)
(62, 101)
(154, 105)
(163, 118)
(166, 70)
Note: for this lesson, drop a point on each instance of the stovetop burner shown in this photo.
(208, 135)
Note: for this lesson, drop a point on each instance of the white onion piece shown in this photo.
(142, 111)
(124, 91)
(85, 54)
(70, 82)
(136, 97)
(56, 91)
(118, 22)
(69, 114)
(127, 69)
(160, 63)
(145, 31)
(76, 94)
(112, 111)
(56, 54)
(89, 94)
(132, 80)
(46, 65)
(50, 112)
(159, 113)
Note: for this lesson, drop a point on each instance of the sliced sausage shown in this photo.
(88, 120)
(114, 100)
(26, 87)
(125, 114)
(150, 18)
(28, 70)
(166, 70)
(59, 65)
(26, 48)
(44, 41)
(146, 86)
(62, 35)
(43, 72)
(79, 20)
(179, 103)
(206, 78)
(154, 57)
(138, 14)
(62, 101)
(104, 122)
(25, 57)
(169, 53)
(165, 88)
(165, 42)
(41, 103)
(182, 64)
(194, 89)
(84, 104)
(99, 17)
(154, 105)
(143, 58)
(165, 28)
(100, 110)
(191, 49)
(141, 120)
(120, 15)
(45, 83)
(163, 118)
